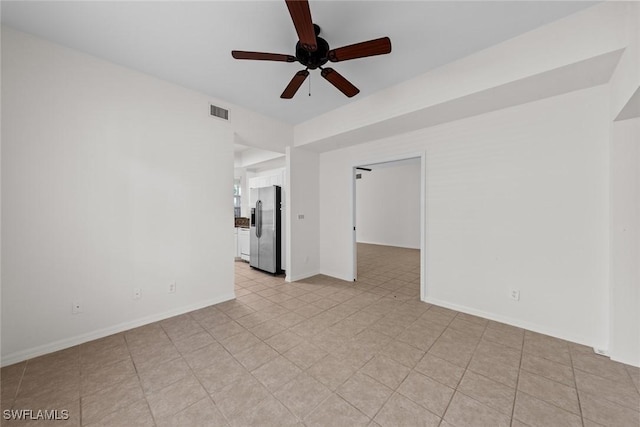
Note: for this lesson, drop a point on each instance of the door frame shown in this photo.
(423, 211)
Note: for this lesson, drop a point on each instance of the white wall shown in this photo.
(388, 205)
(252, 156)
(624, 308)
(111, 180)
(600, 47)
(626, 78)
(256, 130)
(625, 242)
(515, 198)
(303, 199)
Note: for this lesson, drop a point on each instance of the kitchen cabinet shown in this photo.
(235, 241)
(243, 243)
(266, 179)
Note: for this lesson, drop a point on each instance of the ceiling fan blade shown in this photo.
(339, 82)
(301, 17)
(379, 46)
(261, 56)
(294, 84)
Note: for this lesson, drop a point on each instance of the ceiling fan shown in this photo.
(313, 52)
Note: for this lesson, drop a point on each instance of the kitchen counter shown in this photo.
(241, 222)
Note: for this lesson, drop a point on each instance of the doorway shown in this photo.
(389, 224)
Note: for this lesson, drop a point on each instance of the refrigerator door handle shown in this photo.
(259, 218)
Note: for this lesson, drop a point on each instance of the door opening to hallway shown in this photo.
(387, 231)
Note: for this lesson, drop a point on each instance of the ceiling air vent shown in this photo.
(219, 112)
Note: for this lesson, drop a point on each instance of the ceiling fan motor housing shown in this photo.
(318, 57)
(315, 59)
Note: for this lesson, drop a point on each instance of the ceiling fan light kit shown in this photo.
(313, 52)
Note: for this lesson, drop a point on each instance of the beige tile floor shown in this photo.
(322, 352)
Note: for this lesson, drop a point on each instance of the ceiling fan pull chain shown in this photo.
(309, 85)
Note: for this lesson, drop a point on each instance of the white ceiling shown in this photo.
(189, 43)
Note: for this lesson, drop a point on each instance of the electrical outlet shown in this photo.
(515, 294)
(172, 287)
(137, 293)
(76, 307)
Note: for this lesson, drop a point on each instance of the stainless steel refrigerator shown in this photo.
(264, 236)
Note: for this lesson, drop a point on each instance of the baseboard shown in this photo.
(301, 276)
(389, 244)
(510, 321)
(336, 275)
(632, 361)
(104, 332)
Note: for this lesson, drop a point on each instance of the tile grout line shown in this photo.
(455, 389)
(15, 396)
(575, 384)
(559, 383)
(637, 386)
(325, 289)
(388, 398)
(515, 395)
(194, 374)
(313, 408)
(231, 355)
(228, 419)
(605, 379)
(590, 372)
(135, 367)
(272, 394)
(530, 371)
(553, 403)
(358, 370)
(82, 396)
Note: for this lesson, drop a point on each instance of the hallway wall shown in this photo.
(388, 204)
(515, 199)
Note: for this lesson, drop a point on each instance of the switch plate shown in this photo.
(515, 294)
(300, 216)
(172, 287)
(137, 293)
